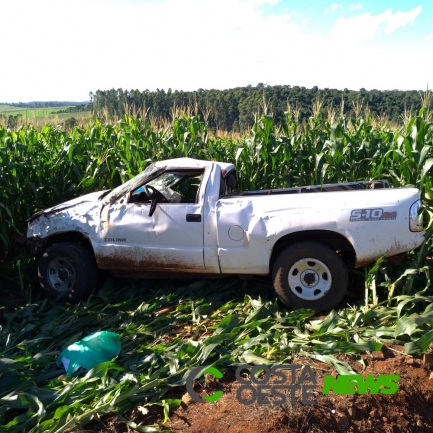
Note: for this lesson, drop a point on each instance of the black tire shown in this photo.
(318, 277)
(67, 271)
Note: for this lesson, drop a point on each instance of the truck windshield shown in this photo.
(167, 179)
(140, 178)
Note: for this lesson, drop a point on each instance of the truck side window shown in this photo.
(231, 183)
(228, 184)
(176, 187)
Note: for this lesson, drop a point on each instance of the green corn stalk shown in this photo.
(41, 168)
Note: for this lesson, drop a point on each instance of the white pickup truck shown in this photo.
(185, 218)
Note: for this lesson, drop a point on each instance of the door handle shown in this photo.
(193, 218)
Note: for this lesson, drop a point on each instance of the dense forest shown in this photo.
(234, 109)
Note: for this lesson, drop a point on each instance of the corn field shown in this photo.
(210, 323)
(43, 168)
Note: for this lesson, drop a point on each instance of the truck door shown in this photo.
(170, 238)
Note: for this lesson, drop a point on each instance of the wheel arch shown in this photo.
(334, 240)
(70, 236)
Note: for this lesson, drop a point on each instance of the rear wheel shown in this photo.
(310, 275)
(68, 271)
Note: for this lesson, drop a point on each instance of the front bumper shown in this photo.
(26, 246)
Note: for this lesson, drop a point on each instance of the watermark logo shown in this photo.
(351, 383)
(261, 388)
(282, 387)
(194, 373)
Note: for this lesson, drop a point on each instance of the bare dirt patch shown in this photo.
(410, 409)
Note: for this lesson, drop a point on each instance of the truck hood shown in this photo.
(93, 197)
(80, 214)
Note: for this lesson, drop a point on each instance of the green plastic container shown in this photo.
(90, 351)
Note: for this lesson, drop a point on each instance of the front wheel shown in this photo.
(67, 270)
(310, 275)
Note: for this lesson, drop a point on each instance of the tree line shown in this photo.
(235, 109)
(43, 104)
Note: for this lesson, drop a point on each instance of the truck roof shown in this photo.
(192, 163)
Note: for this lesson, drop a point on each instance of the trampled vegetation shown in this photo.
(205, 323)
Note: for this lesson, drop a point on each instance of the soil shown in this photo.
(410, 409)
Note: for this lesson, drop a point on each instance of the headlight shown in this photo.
(415, 217)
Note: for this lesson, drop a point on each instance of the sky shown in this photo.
(61, 50)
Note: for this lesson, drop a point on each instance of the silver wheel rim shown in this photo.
(309, 279)
(61, 274)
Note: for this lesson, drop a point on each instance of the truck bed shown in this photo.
(350, 186)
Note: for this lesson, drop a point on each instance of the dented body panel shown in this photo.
(80, 215)
(266, 219)
(212, 232)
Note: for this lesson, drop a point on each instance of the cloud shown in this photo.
(257, 3)
(333, 7)
(103, 44)
(354, 7)
(400, 19)
(84, 46)
(428, 37)
(367, 26)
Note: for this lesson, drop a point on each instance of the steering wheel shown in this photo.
(155, 196)
(153, 193)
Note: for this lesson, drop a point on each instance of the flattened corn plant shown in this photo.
(166, 331)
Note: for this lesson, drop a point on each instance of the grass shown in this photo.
(40, 112)
(42, 115)
(5, 107)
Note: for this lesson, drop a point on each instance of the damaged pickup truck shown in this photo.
(185, 218)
